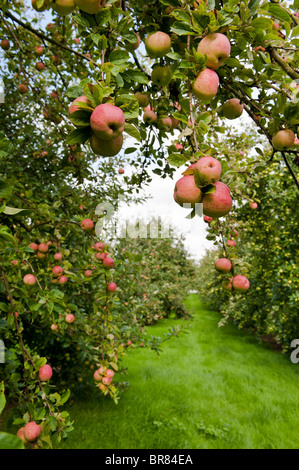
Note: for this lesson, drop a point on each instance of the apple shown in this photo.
(90, 6)
(259, 48)
(210, 168)
(175, 122)
(106, 148)
(132, 46)
(179, 146)
(69, 318)
(40, 66)
(161, 75)
(223, 265)
(231, 243)
(39, 9)
(253, 205)
(157, 44)
(45, 373)
(234, 234)
(43, 247)
(56, 59)
(121, 171)
(57, 270)
(20, 434)
(205, 85)
(164, 123)
(129, 343)
(101, 256)
(241, 283)
(54, 327)
(5, 44)
(99, 246)
(112, 287)
(109, 373)
(142, 98)
(107, 121)
(108, 262)
(149, 116)
(232, 109)
(58, 256)
(41, 255)
(186, 191)
(32, 431)
(207, 219)
(106, 380)
(87, 225)
(29, 280)
(216, 47)
(63, 7)
(39, 50)
(82, 99)
(88, 273)
(14, 262)
(283, 139)
(218, 203)
(77, 41)
(62, 280)
(53, 95)
(97, 375)
(227, 284)
(23, 89)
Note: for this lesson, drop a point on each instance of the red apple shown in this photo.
(207, 219)
(39, 50)
(88, 273)
(58, 256)
(186, 191)
(253, 205)
(219, 203)
(205, 85)
(23, 89)
(106, 148)
(112, 287)
(107, 121)
(62, 280)
(69, 318)
(241, 283)
(164, 123)
(40, 66)
(223, 265)
(20, 434)
(32, 431)
(34, 246)
(5, 45)
(216, 47)
(231, 243)
(121, 171)
(87, 225)
(227, 284)
(82, 99)
(29, 280)
(149, 116)
(14, 262)
(43, 248)
(45, 373)
(57, 270)
(101, 256)
(108, 262)
(157, 44)
(210, 168)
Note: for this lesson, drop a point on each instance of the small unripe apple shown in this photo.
(57, 270)
(43, 247)
(241, 284)
(121, 171)
(41, 255)
(39, 50)
(91, 6)
(32, 431)
(45, 373)
(87, 225)
(142, 98)
(232, 109)
(216, 47)
(164, 124)
(64, 7)
(69, 318)
(40, 66)
(29, 280)
(107, 121)
(205, 85)
(39, 9)
(58, 256)
(223, 265)
(5, 45)
(23, 89)
(283, 139)
(112, 287)
(162, 75)
(108, 262)
(157, 44)
(149, 116)
(62, 280)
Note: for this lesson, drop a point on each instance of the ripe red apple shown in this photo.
(57, 270)
(121, 171)
(108, 262)
(205, 85)
(82, 99)
(91, 6)
(101, 256)
(88, 273)
(58, 256)
(62, 280)
(23, 89)
(210, 168)
(129, 343)
(186, 191)
(283, 139)
(259, 48)
(98, 375)
(253, 205)
(99, 246)
(69, 318)
(149, 116)
(20, 434)
(15, 262)
(41, 255)
(106, 148)
(5, 45)
(157, 44)
(207, 219)
(231, 243)
(241, 283)
(45, 373)
(161, 75)
(64, 7)
(29, 280)
(109, 373)
(32, 431)
(219, 203)
(39, 50)
(142, 98)
(227, 284)
(107, 121)
(40, 66)
(54, 327)
(87, 225)
(232, 109)
(43, 247)
(164, 123)
(179, 146)
(77, 41)
(34, 246)
(112, 287)
(216, 47)
(223, 265)
(106, 380)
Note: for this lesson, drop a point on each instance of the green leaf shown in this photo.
(80, 118)
(177, 159)
(119, 57)
(200, 180)
(182, 29)
(2, 397)
(9, 441)
(5, 190)
(278, 12)
(75, 92)
(210, 188)
(131, 109)
(65, 396)
(132, 131)
(16, 211)
(78, 136)
(180, 117)
(135, 76)
(103, 16)
(6, 234)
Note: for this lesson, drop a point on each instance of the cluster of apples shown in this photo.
(65, 7)
(237, 283)
(104, 376)
(190, 189)
(107, 123)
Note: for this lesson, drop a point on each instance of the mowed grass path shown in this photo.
(213, 388)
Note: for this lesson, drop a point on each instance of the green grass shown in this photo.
(213, 388)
